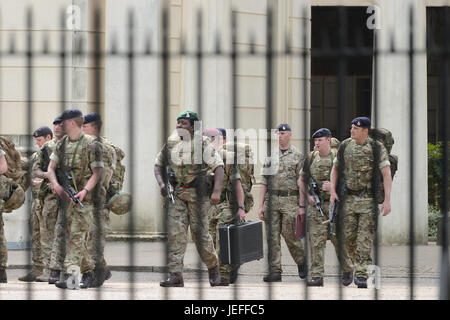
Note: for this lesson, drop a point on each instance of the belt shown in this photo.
(284, 193)
(359, 192)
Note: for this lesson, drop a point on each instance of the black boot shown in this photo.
(174, 280)
(3, 277)
(347, 278)
(31, 276)
(108, 273)
(273, 277)
(301, 271)
(62, 284)
(214, 277)
(87, 280)
(315, 282)
(54, 276)
(361, 282)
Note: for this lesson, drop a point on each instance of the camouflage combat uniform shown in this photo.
(109, 161)
(319, 168)
(36, 221)
(221, 215)
(78, 220)
(50, 206)
(183, 213)
(284, 194)
(358, 205)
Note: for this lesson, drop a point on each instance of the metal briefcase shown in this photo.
(241, 243)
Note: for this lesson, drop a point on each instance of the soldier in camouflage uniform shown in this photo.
(283, 189)
(359, 205)
(48, 199)
(92, 126)
(4, 190)
(81, 156)
(41, 136)
(221, 215)
(182, 159)
(318, 167)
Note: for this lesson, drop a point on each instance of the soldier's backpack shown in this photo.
(121, 203)
(385, 137)
(246, 170)
(13, 177)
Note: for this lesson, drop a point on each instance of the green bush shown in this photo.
(434, 215)
(434, 173)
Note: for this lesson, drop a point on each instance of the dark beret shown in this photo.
(92, 117)
(57, 120)
(323, 132)
(284, 127)
(361, 122)
(189, 115)
(42, 132)
(223, 132)
(70, 114)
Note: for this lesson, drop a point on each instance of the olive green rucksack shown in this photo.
(385, 137)
(246, 170)
(14, 176)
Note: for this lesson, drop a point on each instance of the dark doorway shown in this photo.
(324, 70)
(435, 39)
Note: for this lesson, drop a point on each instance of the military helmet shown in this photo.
(16, 199)
(120, 203)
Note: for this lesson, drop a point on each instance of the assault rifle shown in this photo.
(170, 179)
(333, 214)
(46, 156)
(314, 191)
(65, 179)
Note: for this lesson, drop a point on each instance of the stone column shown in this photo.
(216, 76)
(147, 119)
(394, 112)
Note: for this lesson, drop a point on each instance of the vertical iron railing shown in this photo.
(411, 153)
(343, 53)
(444, 293)
(131, 145)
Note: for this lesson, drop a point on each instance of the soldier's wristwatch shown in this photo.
(242, 207)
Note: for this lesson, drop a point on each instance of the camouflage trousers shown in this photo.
(183, 214)
(281, 222)
(47, 225)
(359, 229)
(318, 235)
(3, 244)
(36, 247)
(91, 241)
(220, 216)
(70, 242)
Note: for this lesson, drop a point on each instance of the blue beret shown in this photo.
(361, 122)
(323, 132)
(284, 127)
(223, 132)
(92, 117)
(70, 114)
(42, 132)
(57, 120)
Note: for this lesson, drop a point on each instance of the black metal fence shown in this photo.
(342, 53)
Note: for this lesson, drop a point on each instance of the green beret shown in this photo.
(189, 115)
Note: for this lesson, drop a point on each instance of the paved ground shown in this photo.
(149, 261)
